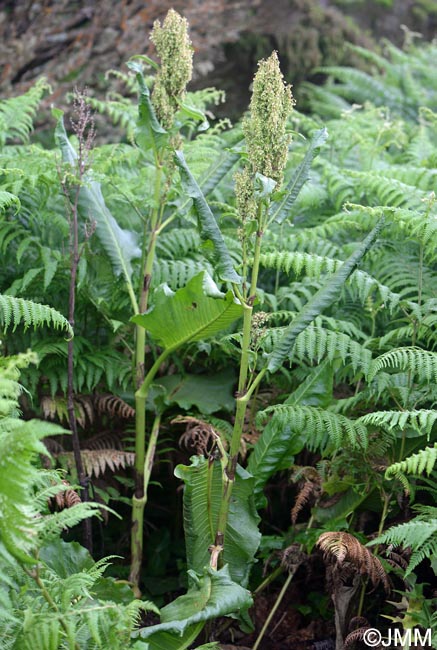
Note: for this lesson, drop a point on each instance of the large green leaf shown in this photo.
(324, 297)
(194, 312)
(209, 230)
(202, 499)
(212, 595)
(280, 210)
(120, 245)
(275, 448)
(208, 393)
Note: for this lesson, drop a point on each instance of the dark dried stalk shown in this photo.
(83, 127)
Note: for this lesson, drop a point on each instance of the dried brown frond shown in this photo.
(67, 498)
(104, 440)
(293, 557)
(356, 636)
(356, 622)
(199, 436)
(344, 547)
(398, 559)
(56, 408)
(309, 489)
(113, 405)
(97, 461)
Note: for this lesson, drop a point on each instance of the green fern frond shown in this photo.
(177, 243)
(420, 534)
(421, 420)
(320, 428)
(14, 311)
(17, 113)
(378, 188)
(419, 463)
(421, 363)
(8, 200)
(176, 273)
(121, 111)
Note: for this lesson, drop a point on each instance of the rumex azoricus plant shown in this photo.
(267, 144)
(157, 119)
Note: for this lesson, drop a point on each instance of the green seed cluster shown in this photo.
(244, 194)
(265, 129)
(175, 51)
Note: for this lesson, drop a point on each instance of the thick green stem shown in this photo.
(139, 503)
(243, 394)
(140, 496)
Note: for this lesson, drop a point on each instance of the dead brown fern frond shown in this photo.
(55, 408)
(309, 489)
(114, 406)
(344, 547)
(199, 436)
(66, 498)
(293, 557)
(356, 636)
(104, 440)
(97, 461)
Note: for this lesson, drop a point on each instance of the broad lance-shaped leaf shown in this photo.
(149, 133)
(194, 312)
(120, 245)
(210, 596)
(209, 230)
(202, 498)
(280, 210)
(324, 297)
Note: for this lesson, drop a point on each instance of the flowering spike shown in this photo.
(174, 48)
(265, 129)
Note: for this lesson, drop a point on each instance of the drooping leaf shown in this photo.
(280, 210)
(212, 595)
(324, 297)
(120, 245)
(197, 311)
(202, 498)
(209, 230)
(149, 133)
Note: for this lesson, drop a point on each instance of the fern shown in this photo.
(420, 534)
(17, 113)
(419, 463)
(14, 311)
(422, 363)
(320, 428)
(422, 421)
